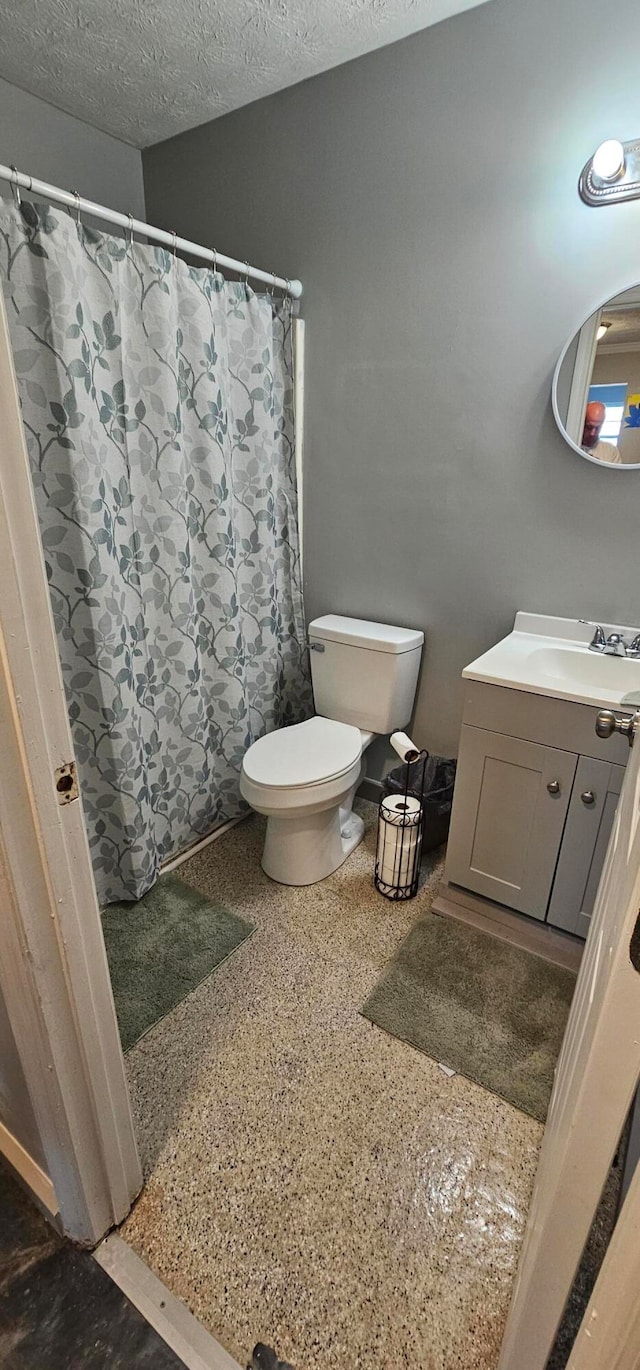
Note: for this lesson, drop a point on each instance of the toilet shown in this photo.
(304, 778)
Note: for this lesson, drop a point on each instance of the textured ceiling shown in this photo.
(624, 328)
(146, 69)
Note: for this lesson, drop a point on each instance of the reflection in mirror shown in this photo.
(596, 388)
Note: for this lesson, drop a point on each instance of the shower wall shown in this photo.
(64, 151)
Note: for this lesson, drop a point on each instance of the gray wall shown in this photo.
(426, 195)
(64, 151)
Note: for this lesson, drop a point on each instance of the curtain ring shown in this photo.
(130, 234)
(246, 276)
(270, 292)
(174, 235)
(214, 264)
(76, 195)
(15, 186)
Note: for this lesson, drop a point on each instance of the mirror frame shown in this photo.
(602, 465)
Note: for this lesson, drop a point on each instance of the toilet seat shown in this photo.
(305, 754)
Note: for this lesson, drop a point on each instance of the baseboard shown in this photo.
(168, 1316)
(559, 948)
(200, 844)
(29, 1172)
(370, 789)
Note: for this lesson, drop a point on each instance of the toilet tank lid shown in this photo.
(359, 632)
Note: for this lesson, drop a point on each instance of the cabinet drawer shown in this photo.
(509, 810)
(539, 718)
(594, 800)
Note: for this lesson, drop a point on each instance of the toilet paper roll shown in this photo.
(398, 839)
(402, 812)
(398, 856)
(406, 749)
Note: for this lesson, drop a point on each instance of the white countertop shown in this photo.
(550, 656)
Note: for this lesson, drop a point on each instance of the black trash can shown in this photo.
(436, 797)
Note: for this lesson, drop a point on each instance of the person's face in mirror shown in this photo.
(593, 421)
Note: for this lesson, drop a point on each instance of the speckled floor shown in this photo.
(310, 1181)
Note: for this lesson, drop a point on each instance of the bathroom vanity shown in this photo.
(536, 786)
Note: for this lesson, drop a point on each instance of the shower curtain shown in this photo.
(157, 405)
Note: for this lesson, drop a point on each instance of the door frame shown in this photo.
(595, 1082)
(582, 371)
(54, 975)
(609, 1334)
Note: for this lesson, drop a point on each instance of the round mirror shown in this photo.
(596, 386)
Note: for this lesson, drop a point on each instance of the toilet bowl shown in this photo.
(304, 777)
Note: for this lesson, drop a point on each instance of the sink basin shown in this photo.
(580, 668)
(550, 656)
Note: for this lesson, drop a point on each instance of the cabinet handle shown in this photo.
(554, 787)
(588, 797)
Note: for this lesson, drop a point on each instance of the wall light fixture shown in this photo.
(612, 174)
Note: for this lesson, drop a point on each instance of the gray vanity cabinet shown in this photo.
(535, 797)
(584, 844)
(508, 817)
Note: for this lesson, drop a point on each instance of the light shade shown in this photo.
(608, 160)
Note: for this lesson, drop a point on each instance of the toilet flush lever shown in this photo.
(316, 646)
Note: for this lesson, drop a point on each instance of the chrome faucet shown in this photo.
(614, 644)
(598, 641)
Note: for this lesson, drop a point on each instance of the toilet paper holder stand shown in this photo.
(400, 830)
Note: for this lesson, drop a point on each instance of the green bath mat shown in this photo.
(161, 948)
(486, 1009)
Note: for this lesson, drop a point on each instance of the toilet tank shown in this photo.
(364, 673)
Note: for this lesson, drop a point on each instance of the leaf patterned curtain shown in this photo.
(157, 405)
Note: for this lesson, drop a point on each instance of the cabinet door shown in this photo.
(593, 804)
(509, 809)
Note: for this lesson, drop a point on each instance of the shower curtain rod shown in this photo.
(73, 200)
